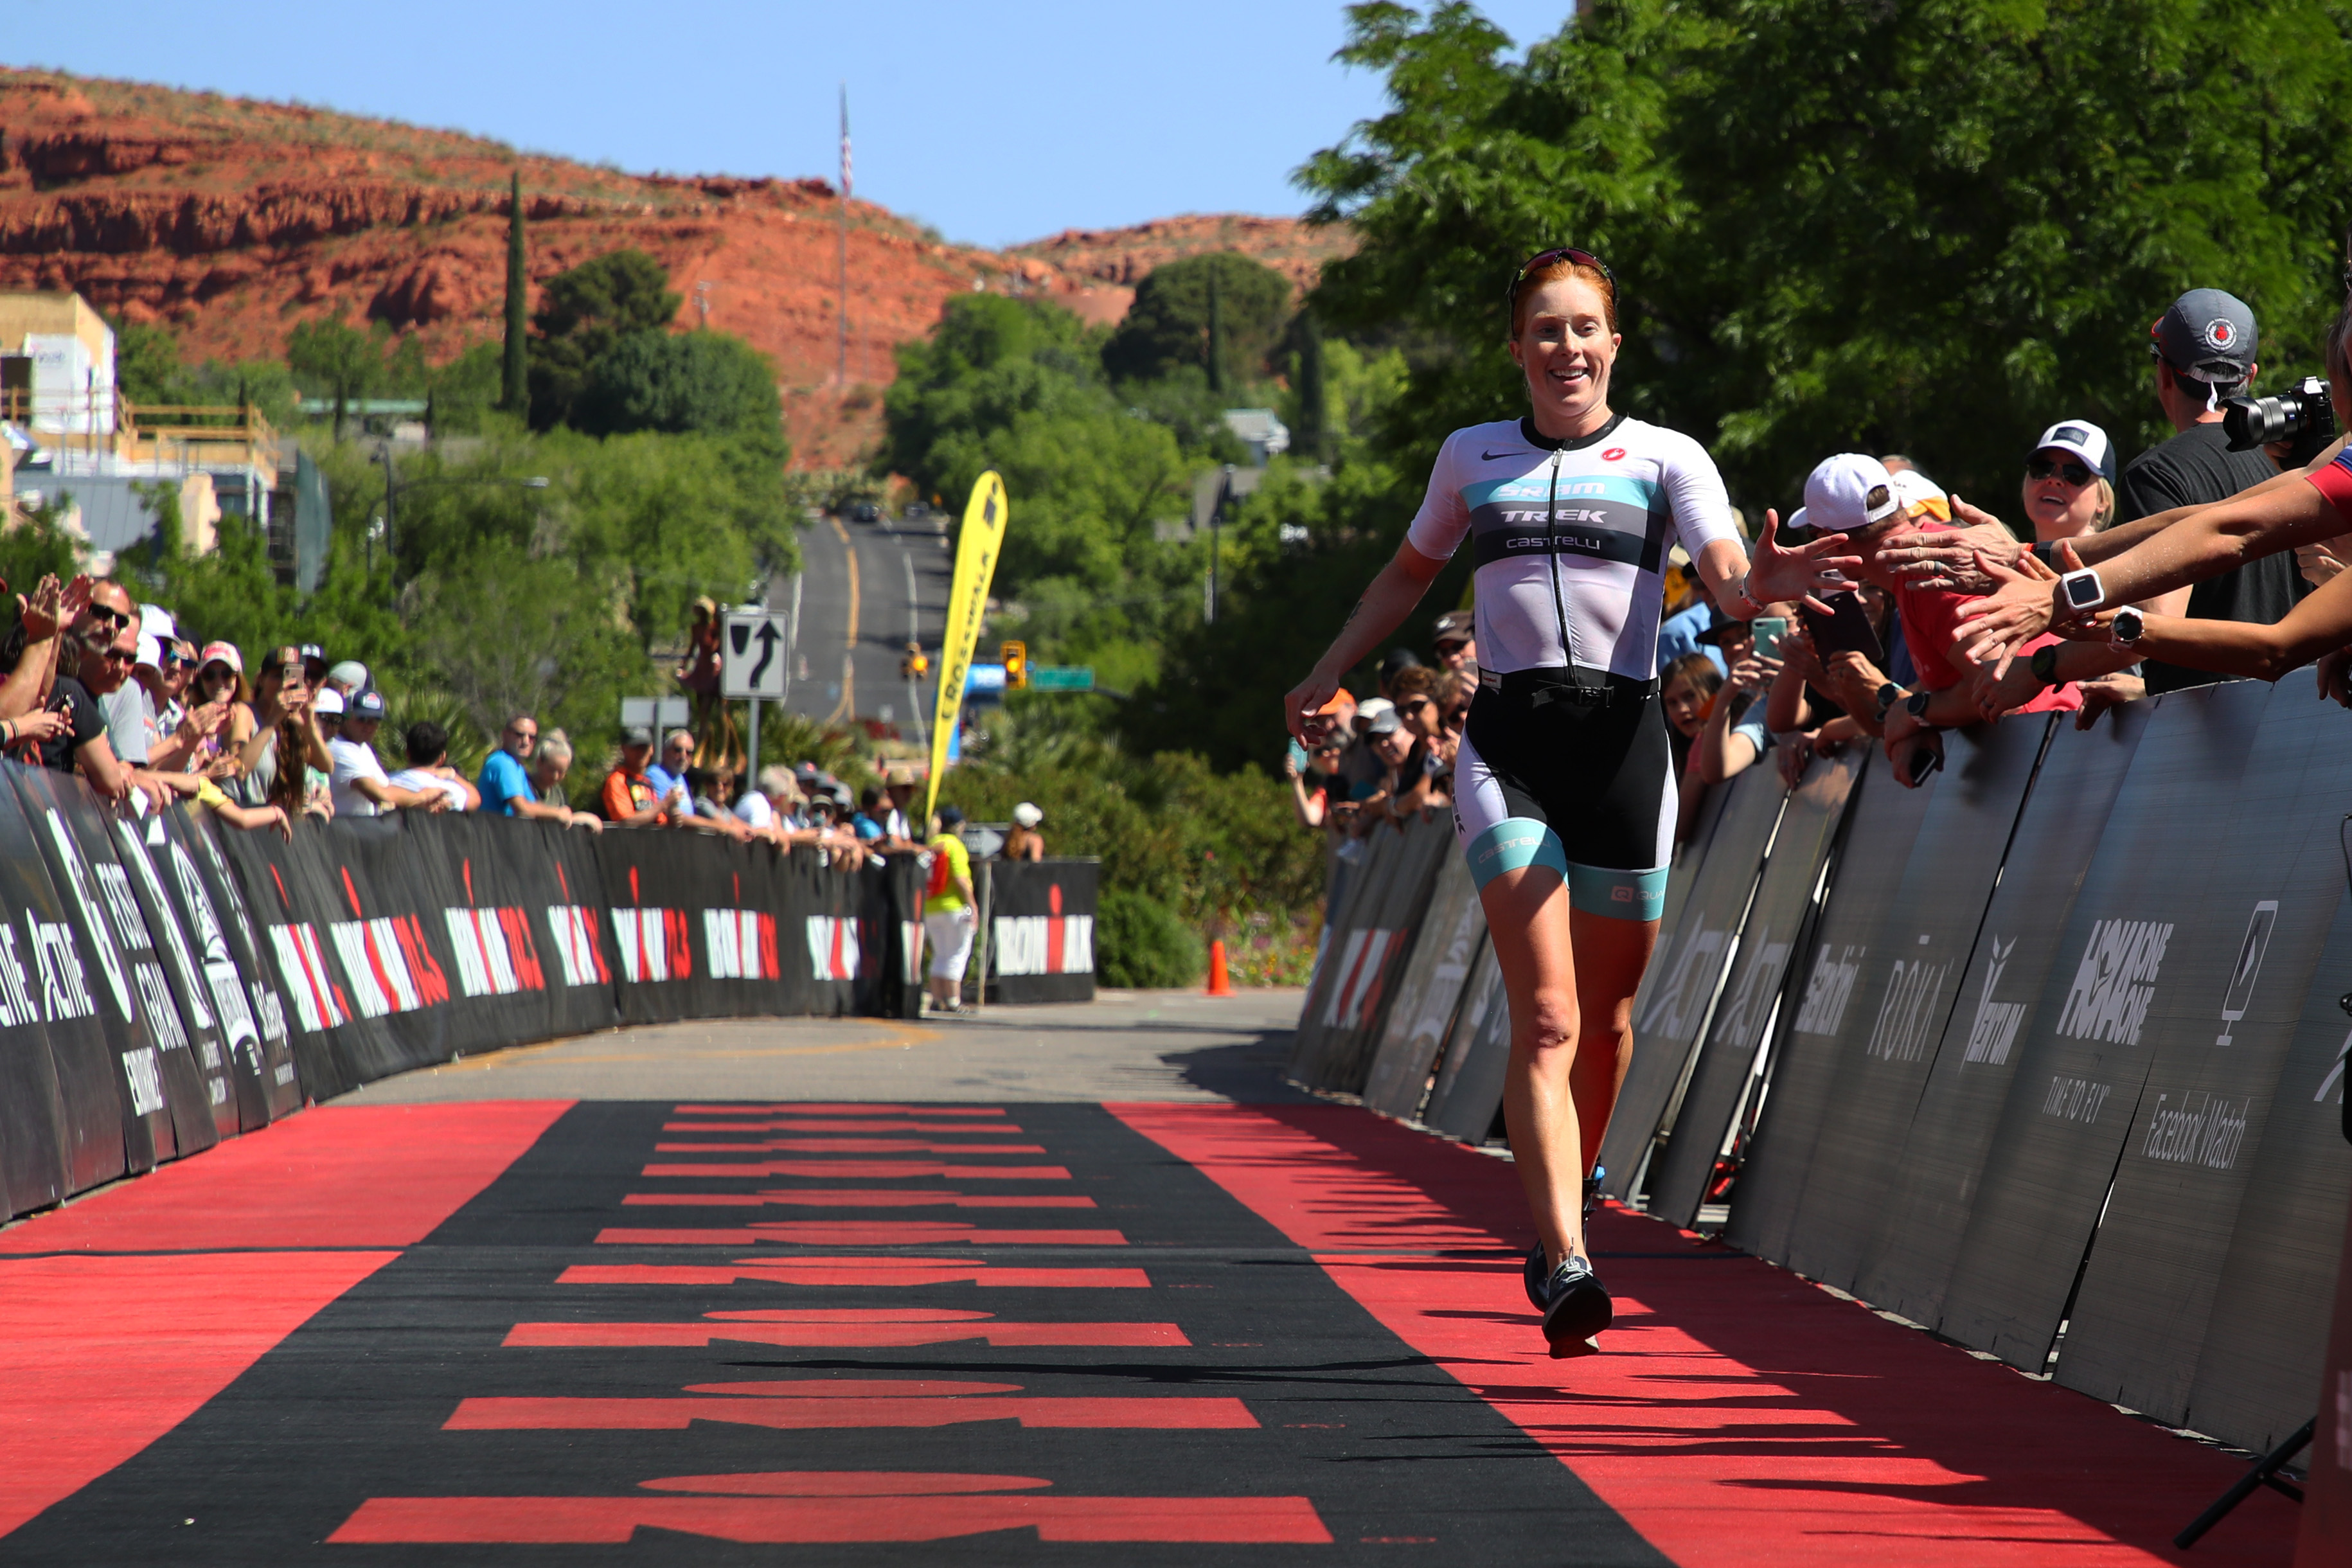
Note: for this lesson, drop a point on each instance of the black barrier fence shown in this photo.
(165, 984)
(2040, 1055)
(1366, 952)
(1041, 928)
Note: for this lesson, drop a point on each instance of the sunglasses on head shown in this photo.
(2074, 474)
(1543, 259)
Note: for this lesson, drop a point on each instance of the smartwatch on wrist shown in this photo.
(1888, 694)
(2082, 590)
(2044, 665)
(1916, 704)
(2127, 625)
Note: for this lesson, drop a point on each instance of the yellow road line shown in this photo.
(848, 707)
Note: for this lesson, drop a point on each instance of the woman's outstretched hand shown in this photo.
(1805, 572)
(1302, 710)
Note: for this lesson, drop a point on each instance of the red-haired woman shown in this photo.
(1564, 788)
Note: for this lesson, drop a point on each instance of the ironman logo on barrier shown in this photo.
(1051, 943)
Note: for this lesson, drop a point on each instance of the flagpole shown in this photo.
(841, 314)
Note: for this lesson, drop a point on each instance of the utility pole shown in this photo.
(1217, 535)
(841, 313)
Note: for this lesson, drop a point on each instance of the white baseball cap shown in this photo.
(1027, 815)
(2086, 441)
(1920, 496)
(1850, 492)
(328, 701)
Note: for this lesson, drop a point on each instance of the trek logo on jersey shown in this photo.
(2114, 982)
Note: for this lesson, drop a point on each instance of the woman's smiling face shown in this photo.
(1565, 348)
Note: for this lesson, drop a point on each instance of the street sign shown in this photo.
(983, 683)
(753, 647)
(1061, 678)
(655, 713)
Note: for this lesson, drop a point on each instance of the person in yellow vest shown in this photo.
(950, 911)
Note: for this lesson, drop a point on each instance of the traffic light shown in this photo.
(1014, 656)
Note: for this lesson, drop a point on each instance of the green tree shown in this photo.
(514, 394)
(1932, 227)
(1170, 323)
(148, 367)
(701, 382)
(584, 312)
(340, 361)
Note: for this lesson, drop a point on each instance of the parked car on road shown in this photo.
(865, 511)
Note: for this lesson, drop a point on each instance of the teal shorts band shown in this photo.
(1513, 844)
(1621, 895)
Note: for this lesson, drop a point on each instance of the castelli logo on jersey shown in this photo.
(2220, 334)
(1613, 455)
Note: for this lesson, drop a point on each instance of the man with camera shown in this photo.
(2203, 348)
(2259, 523)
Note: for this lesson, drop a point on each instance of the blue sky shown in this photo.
(996, 123)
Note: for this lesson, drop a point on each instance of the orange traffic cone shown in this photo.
(1220, 983)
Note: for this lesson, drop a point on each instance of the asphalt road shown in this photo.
(865, 589)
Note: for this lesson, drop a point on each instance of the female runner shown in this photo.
(1564, 786)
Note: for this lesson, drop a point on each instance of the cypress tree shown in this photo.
(514, 393)
(1314, 413)
(1216, 337)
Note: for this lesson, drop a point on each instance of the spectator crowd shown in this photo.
(2201, 558)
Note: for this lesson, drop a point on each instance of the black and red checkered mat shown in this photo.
(541, 1332)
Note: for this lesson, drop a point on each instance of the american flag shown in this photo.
(844, 140)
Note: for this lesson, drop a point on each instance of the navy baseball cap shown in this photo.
(2208, 335)
(368, 704)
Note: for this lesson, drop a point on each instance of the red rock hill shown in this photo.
(232, 220)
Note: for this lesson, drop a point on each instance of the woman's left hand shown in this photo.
(1806, 572)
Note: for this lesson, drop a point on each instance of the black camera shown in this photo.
(2303, 418)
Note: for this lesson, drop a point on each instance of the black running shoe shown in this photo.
(1536, 1274)
(1578, 1307)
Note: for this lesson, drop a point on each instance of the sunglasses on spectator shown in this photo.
(1451, 645)
(520, 734)
(109, 616)
(2074, 474)
(119, 655)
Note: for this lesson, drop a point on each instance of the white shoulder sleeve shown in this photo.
(1439, 526)
(1702, 508)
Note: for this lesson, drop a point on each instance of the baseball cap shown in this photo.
(1920, 496)
(1027, 815)
(223, 653)
(151, 652)
(1370, 711)
(2208, 335)
(1849, 493)
(1456, 625)
(2086, 441)
(368, 704)
(950, 817)
(155, 618)
(327, 703)
(351, 673)
(636, 735)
